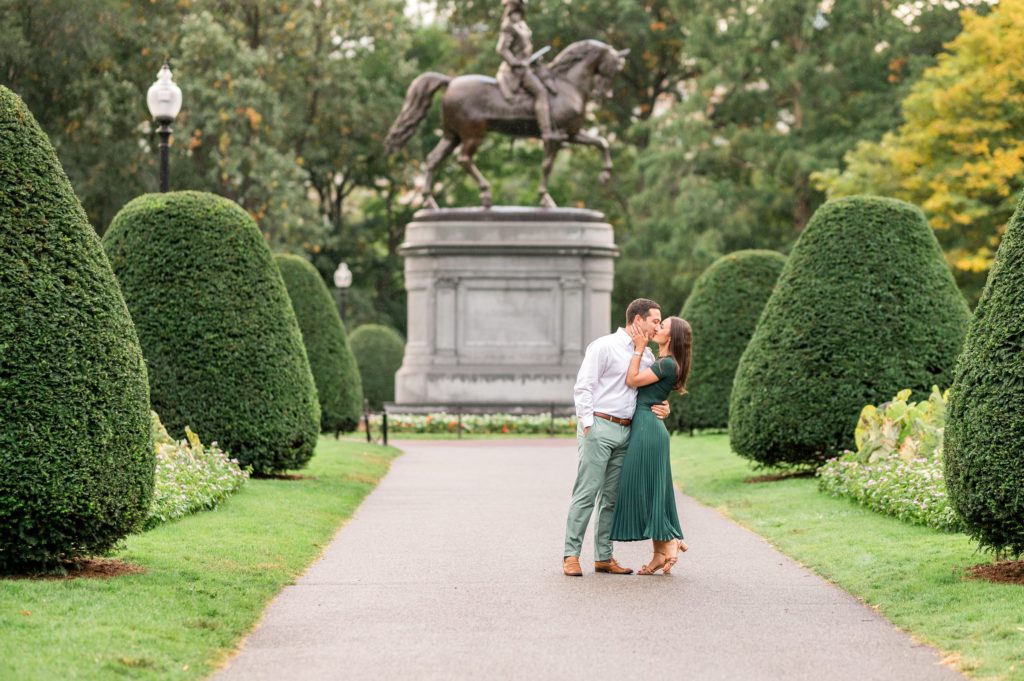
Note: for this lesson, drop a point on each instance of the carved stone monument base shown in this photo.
(502, 303)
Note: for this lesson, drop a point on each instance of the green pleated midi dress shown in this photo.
(646, 505)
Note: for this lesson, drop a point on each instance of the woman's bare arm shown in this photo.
(636, 378)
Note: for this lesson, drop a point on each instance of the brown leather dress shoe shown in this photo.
(611, 566)
(571, 567)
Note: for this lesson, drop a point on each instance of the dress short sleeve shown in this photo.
(664, 367)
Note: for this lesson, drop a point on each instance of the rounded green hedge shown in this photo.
(76, 458)
(378, 351)
(864, 307)
(220, 338)
(723, 310)
(334, 368)
(984, 438)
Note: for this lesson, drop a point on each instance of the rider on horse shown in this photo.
(518, 73)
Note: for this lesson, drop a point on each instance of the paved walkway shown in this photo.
(450, 570)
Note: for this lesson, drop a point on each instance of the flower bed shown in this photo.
(190, 477)
(478, 424)
(897, 468)
(911, 490)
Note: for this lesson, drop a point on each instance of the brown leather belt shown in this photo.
(613, 419)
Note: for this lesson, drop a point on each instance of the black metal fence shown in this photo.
(460, 410)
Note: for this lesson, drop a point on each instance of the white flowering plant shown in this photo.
(478, 423)
(190, 476)
(897, 468)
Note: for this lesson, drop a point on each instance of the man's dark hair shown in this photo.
(642, 307)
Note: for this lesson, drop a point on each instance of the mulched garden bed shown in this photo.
(90, 568)
(776, 477)
(284, 476)
(1001, 572)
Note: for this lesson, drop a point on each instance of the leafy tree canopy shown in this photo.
(960, 151)
(722, 114)
(782, 89)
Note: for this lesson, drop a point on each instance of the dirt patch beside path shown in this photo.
(1001, 572)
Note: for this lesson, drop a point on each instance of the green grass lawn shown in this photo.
(913, 575)
(208, 579)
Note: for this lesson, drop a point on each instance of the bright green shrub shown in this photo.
(221, 341)
(985, 432)
(76, 459)
(723, 310)
(378, 351)
(865, 306)
(190, 477)
(335, 372)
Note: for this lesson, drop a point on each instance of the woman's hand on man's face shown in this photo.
(640, 338)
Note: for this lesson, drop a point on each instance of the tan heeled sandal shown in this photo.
(681, 546)
(652, 567)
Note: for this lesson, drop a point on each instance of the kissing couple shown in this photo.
(621, 398)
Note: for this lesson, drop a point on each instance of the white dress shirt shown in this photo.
(601, 382)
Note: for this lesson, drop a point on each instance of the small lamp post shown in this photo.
(342, 280)
(164, 101)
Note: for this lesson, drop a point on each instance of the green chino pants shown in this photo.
(601, 452)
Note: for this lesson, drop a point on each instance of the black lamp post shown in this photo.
(164, 101)
(342, 280)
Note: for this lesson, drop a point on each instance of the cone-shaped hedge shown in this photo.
(984, 439)
(723, 310)
(217, 329)
(378, 351)
(76, 458)
(334, 368)
(864, 307)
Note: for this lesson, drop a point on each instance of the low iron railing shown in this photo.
(459, 410)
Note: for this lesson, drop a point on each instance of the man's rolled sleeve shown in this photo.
(586, 381)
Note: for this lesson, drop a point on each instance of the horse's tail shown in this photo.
(417, 103)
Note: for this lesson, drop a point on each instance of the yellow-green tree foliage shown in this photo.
(960, 151)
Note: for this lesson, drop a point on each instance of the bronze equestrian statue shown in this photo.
(473, 105)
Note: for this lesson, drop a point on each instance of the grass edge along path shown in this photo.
(913, 575)
(208, 580)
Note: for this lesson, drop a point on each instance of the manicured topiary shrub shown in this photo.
(221, 341)
(984, 450)
(378, 351)
(76, 455)
(334, 368)
(864, 307)
(723, 310)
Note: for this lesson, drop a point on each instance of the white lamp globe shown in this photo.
(164, 97)
(342, 276)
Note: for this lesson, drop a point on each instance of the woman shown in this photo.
(646, 506)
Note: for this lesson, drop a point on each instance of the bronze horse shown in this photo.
(473, 105)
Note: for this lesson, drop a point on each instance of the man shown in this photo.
(517, 72)
(604, 410)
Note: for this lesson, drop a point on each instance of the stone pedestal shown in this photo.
(502, 303)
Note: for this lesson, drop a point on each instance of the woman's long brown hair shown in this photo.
(680, 347)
